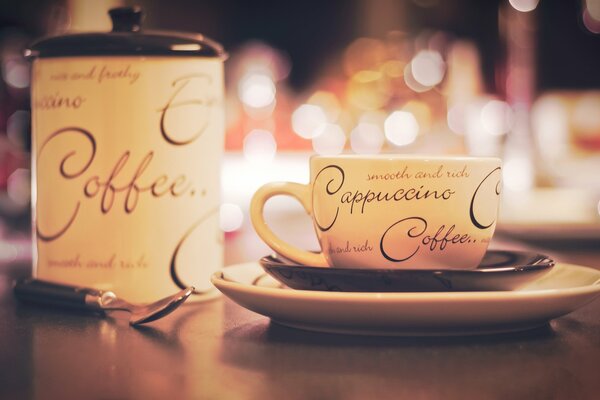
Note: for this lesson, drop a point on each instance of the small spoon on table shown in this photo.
(54, 294)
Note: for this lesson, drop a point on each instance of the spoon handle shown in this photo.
(55, 294)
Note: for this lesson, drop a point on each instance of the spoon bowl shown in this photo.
(144, 313)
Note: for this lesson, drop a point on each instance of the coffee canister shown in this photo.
(128, 136)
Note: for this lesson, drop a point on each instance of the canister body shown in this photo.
(126, 166)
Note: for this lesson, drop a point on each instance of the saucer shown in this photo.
(562, 290)
(499, 270)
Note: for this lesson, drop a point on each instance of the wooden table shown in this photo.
(218, 350)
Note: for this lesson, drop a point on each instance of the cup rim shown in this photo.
(406, 157)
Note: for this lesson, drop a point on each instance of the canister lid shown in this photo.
(126, 38)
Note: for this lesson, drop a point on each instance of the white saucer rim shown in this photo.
(217, 280)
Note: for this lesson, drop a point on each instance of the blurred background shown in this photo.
(517, 79)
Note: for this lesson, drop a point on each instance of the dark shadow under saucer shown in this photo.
(499, 270)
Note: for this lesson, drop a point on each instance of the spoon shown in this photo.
(54, 294)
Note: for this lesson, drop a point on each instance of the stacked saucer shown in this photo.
(509, 291)
(499, 270)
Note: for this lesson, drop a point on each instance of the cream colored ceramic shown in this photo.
(126, 185)
(564, 289)
(392, 211)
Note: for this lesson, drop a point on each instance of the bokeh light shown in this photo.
(590, 23)
(259, 146)
(550, 121)
(376, 117)
(17, 126)
(328, 102)
(517, 173)
(367, 90)
(8, 251)
(329, 140)
(593, 9)
(259, 57)
(486, 119)
(586, 115)
(366, 138)
(497, 117)
(393, 69)
(307, 119)
(524, 5)
(428, 67)
(16, 73)
(18, 186)
(411, 81)
(401, 128)
(456, 119)
(231, 217)
(422, 113)
(364, 54)
(257, 90)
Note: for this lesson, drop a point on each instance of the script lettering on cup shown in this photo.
(413, 227)
(173, 264)
(336, 181)
(409, 232)
(66, 174)
(107, 188)
(181, 98)
(495, 174)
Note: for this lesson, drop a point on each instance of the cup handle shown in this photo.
(302, 193)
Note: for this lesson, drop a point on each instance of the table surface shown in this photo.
(218, 350)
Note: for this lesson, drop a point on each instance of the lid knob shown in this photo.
(126, 19)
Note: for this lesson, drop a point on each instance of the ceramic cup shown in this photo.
(392, 211)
